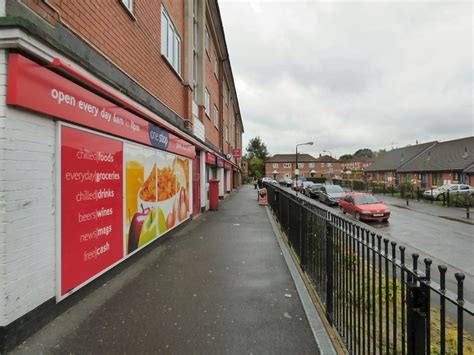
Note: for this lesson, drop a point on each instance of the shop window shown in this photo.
(170, 41)
(207, 103)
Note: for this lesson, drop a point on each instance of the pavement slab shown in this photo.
(219, 285)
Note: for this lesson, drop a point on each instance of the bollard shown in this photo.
(467, 210)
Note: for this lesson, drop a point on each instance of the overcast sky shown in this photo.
(350, 75)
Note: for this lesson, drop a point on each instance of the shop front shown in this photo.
(120, 181)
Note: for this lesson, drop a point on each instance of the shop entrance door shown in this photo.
(196, 184)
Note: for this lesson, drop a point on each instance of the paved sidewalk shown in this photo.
(219, 285)
(451, 213)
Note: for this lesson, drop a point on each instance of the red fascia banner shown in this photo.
(210, 158)
(236, 153)
(37, 88)
(227, 165)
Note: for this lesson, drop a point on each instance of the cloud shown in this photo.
(350, 75)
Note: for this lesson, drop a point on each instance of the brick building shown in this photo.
(281, 166)
(427, 164)
(130, 102)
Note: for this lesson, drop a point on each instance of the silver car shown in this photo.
(331, 194)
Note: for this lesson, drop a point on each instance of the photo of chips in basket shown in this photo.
(148, 191)
(167, 184)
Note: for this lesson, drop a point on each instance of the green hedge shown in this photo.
(316, 180)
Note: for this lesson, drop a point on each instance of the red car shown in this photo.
(364, 207)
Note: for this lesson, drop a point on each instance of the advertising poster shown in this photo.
(91, 205)
(157, 194)
(173, 188)
(140, 196)
(262, 197)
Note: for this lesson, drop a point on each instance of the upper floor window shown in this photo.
(300, 165)
(216, 117)
(207, 41)
(207, 103)
(216, 66)
(287, 165)
(128, 4)
(275, 165)
(170, 41)
(311, 165)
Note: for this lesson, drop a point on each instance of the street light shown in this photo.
(297, 170)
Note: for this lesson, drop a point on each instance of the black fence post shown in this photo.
(448, 198)
(329, 271)
(418, 193)
(416, 312)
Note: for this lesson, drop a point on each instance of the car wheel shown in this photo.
(439, 197)
(385, 220)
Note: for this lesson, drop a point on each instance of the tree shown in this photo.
(256, 148)
(364, 153)
(256, 167)
(345, 157)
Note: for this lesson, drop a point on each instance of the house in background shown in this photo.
(442, 163)
(281, 166)
(328, 167)
(385, 169)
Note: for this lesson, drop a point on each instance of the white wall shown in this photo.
(204, 201)
(220, 177)
(27, 211)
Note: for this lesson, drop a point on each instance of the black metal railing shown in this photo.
(379, 301)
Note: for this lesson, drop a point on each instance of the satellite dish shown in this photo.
(228, 156)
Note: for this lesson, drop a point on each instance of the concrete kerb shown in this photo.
(326, 338)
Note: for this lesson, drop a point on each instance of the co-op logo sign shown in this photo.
(159, 137)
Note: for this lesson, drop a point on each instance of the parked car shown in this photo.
(305, 186)
(286, 182)
(454, 189)
(313, 190)
(364, 207)
(330, 194)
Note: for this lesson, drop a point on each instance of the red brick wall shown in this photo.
(133, 45)
(212, 84)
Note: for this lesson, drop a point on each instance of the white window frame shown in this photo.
(207, 41)
(207, 103)
(300, 165)
(216, 66)
(170, 41)
(128, 5)
(287, 165)
(216, 117)
(275, 165)
(311, 165)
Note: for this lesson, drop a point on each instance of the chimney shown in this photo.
(320, 155)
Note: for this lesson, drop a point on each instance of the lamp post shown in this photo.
(296, 168)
